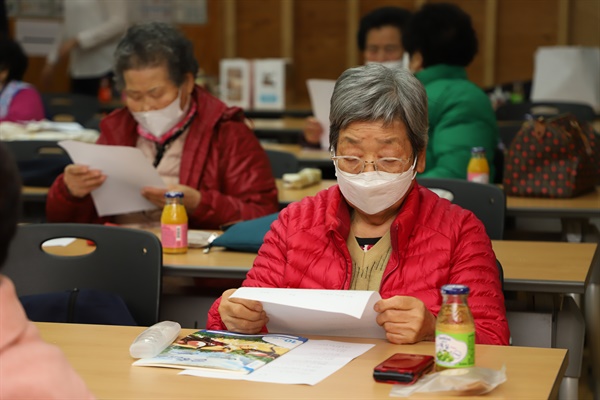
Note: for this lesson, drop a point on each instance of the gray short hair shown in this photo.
(376, 93)
(153, 44)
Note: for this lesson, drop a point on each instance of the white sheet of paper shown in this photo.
(127, 171)
(307, 364)
(62, 242)
(567, 74)
(318, 312)
(320, 91)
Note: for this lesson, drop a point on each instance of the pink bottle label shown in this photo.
(478, 177)
(174, 236)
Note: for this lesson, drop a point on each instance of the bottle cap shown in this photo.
(478, 150)
(455, 289)
(173, 195)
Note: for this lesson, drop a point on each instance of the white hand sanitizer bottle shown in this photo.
(154, 339)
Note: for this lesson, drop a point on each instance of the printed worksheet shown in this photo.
(320, 91)
(308, 364)
(346, 313)
(127, 171)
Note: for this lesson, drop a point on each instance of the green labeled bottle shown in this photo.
(454, 330)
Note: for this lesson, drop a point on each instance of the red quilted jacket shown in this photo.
(221, 158)
(434, 243)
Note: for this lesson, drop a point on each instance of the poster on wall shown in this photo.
(171, 11)
(269, 84)
(37, 37)
(235, 78)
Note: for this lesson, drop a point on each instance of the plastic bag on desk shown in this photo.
(455, 382)
(306, 177)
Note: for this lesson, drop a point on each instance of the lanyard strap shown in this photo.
(161, 148)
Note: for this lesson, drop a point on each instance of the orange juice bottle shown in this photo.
(174, 224)
(454, 330)
(105, 91)
(478, 169)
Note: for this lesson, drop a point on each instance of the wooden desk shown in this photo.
(584, 206)
(284, 130)
(34, 194)
(287, 196)
(100, 355)
(546, 267)
(306, 157)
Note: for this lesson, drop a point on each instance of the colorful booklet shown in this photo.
(223, 351)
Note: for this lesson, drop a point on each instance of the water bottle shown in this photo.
(454, 330)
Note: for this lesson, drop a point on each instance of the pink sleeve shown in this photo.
(25, 106)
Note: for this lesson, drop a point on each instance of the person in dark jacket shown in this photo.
(198, 145)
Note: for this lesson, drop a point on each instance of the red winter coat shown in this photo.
(221, 158)
(434, 243)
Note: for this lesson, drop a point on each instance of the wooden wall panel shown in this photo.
(320, 43)
(258, 28)
(476, 9)
(208, 39)
(584, 23)
(523, 26)
(322, 32)
(369, 5)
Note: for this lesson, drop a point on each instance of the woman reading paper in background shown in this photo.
(377, 229)
(198, 145)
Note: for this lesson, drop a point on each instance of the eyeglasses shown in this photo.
(356, 165)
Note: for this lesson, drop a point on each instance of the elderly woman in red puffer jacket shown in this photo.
(378, 229)
(198, 145)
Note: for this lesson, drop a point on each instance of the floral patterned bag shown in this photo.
(556, 157)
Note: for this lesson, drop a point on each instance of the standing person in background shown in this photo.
(29, 367)
(91, 31)
(441, 42)
(198, 145)
(379, 39)
(19, 101)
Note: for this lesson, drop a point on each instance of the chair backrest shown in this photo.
(487, 202)
(518, 112)
(27, 150)
(282, 162)
(80, 107)
(126, 262)
(39, 161)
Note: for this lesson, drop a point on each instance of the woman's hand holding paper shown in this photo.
(80, 180)
(241, 315)
(405, 319)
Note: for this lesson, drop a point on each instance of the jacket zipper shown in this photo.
(71, 305)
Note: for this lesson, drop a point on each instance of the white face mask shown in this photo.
(372, 192)
(158, 122)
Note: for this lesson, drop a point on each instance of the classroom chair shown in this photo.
(70, 106)
(282, 162)
(487, 202)
(125, 262)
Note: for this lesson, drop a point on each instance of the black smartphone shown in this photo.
(403, 368)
